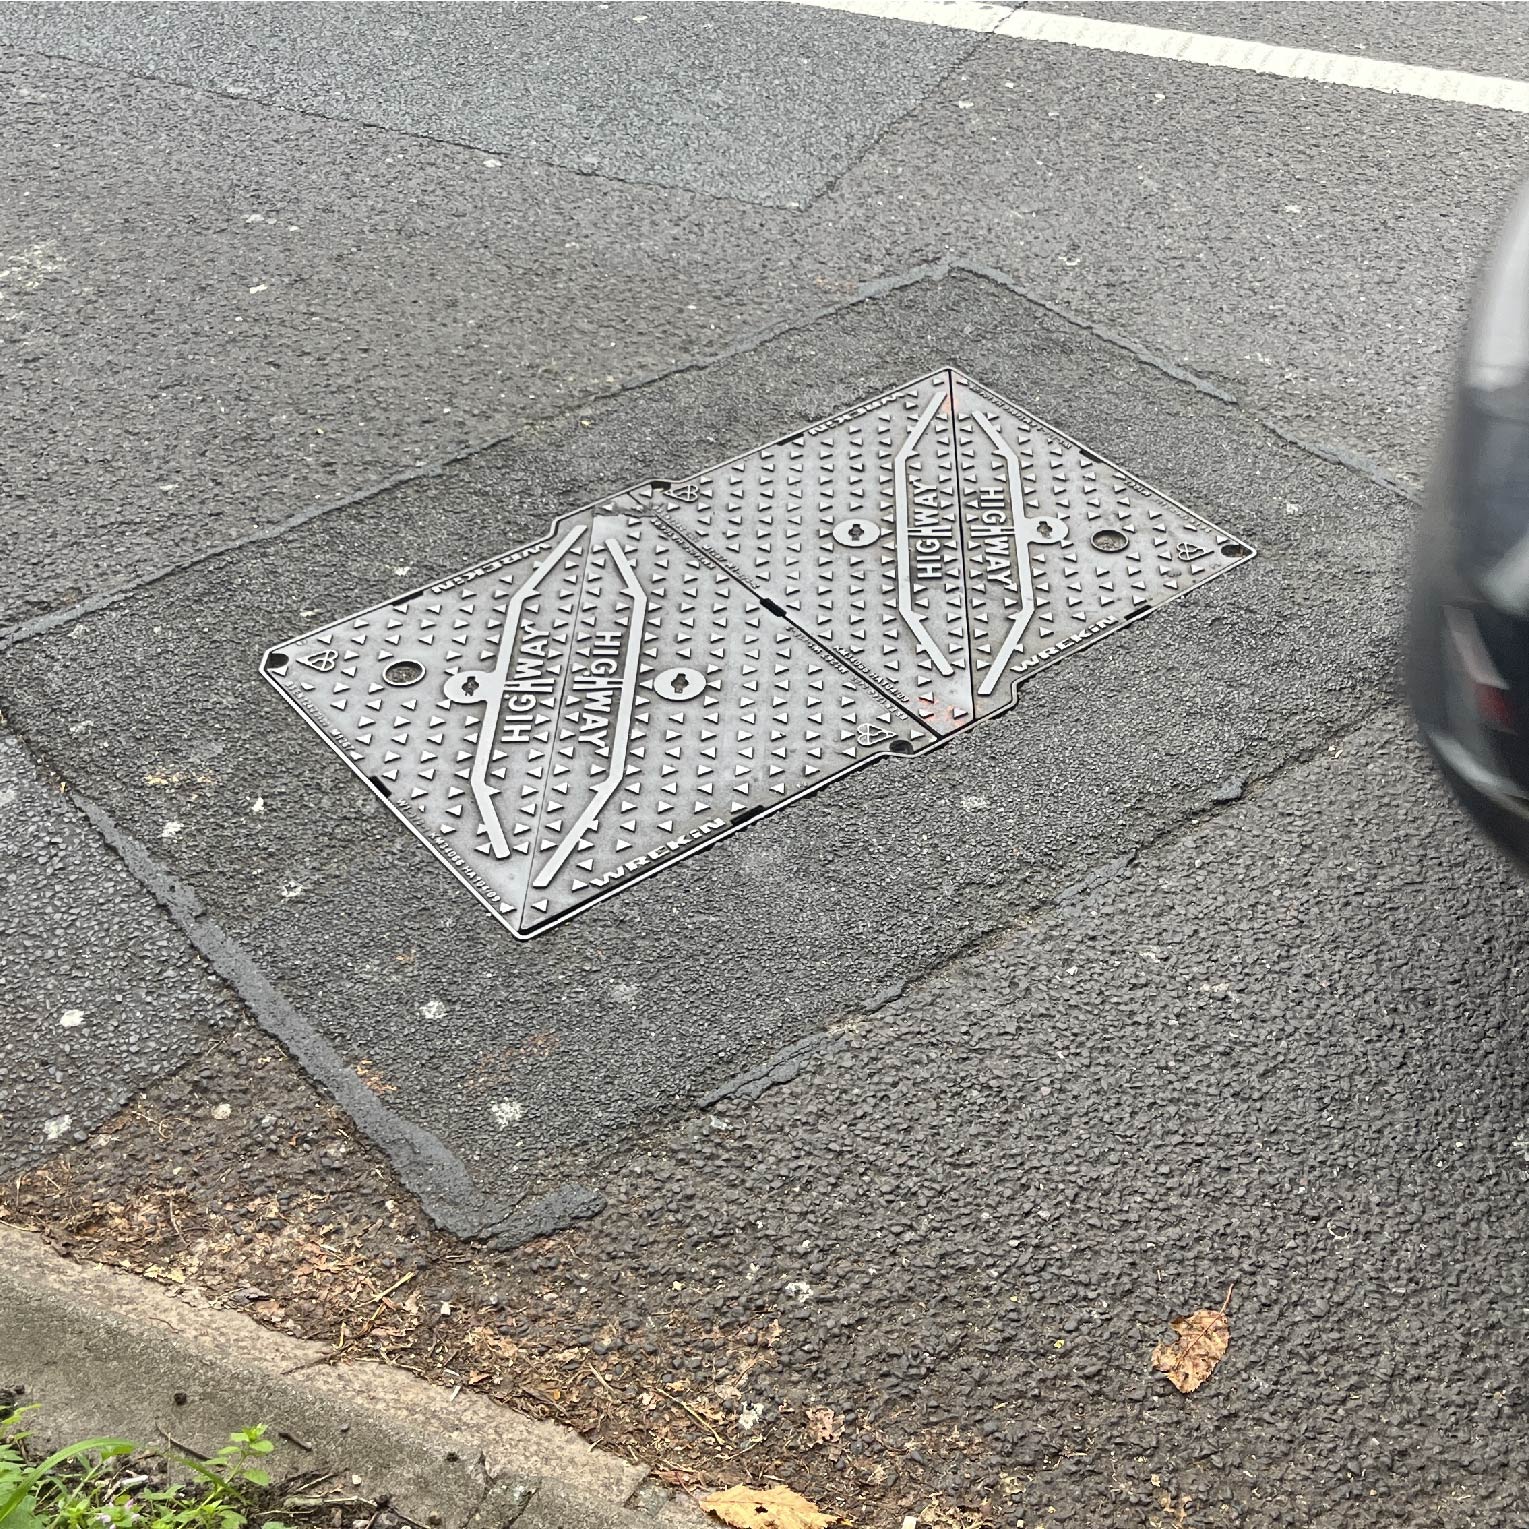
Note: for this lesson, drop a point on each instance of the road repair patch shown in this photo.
(669, 664)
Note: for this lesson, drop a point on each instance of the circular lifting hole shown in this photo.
(1234, 549)
(276, 663)
(900, 746)
(404, 672)
(1109, 539)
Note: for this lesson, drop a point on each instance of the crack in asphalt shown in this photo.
(867, 291)
(1367, 468)
(834, 181)
(430, 1169)
(792, 1061)
(269, 103)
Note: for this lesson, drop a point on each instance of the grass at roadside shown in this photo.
(111, 1483)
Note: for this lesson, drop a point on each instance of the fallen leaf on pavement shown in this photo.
(765, 1508)
(1201, 1346)
(823, 1425)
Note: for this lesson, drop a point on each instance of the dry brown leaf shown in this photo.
(1201, 1346)
(371, 1075)
(747, 1507)
(824, 1425)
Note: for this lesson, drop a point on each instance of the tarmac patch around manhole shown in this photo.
(675, 661)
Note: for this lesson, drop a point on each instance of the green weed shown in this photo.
(89, 1485)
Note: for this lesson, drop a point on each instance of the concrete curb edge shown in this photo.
(105, 1352)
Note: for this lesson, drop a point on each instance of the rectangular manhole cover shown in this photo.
(671, 663)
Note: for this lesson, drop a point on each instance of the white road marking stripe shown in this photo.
(1453, 85)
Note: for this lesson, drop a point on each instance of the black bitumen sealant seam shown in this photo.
(431, 1171)
(268, 103)
(780, 1068)
(867, 291)
(804, 1055)
(788, 1064)
(871, 290)
(427, 1167)
(436, 1175)
(1339, 456)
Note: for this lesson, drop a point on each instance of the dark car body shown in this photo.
(1468, 637)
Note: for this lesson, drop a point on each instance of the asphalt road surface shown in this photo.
(958, 1079)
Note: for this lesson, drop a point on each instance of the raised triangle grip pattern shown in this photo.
(663, 667)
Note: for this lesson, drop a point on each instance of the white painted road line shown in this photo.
(1418, 80)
